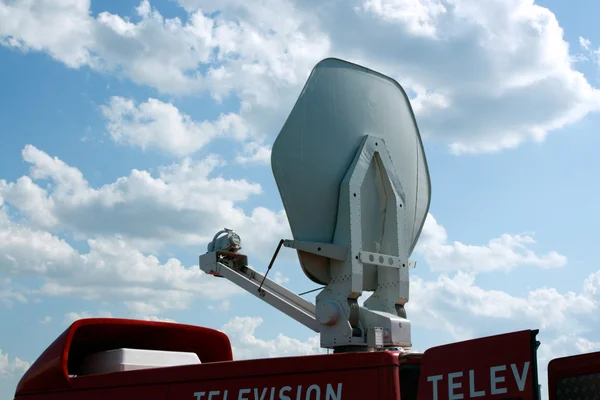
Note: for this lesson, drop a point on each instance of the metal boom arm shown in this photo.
(233, 267)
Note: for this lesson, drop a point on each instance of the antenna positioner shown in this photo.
(231, 242)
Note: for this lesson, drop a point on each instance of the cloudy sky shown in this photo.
(132, 131)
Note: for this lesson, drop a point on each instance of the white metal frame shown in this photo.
(347, 278)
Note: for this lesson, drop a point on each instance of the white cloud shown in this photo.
(476, 69)
(487, 76)
(222, 306)
(174, 56)
(158, 125)
(9, 293)
(585, 43)
(71, 317)
(241, 331)
(46, 319)
(161, 126)
(62, 29)
(266, 52)
(157, 319)
(502, 67)
(591, 285)
(108, 42)
(43, 251)
(281, 278)
(183, 205)
(419, 16)
(11, 368)
(254, 153)
(111, 270)
(457, 302)
(565, 345)
(186, 204)
(503, 253)
(589, 53)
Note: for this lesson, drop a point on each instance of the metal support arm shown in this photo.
(233, 267)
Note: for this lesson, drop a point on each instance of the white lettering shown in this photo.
(494, 379)
(434, 379)
(498, 382)
(472, 391)
(454, 385)
(313, 388)
(282, 396)
(312, 392)
(262, 396)
(520, 379)
(330, 393)
(243, 392)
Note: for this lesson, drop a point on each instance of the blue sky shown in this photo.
(127, 140)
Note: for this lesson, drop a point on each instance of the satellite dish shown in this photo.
(340, 106)
(351, 170)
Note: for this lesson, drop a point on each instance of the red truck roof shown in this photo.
(576, 375)
(53, 376)
(62, 359)
(501, 366)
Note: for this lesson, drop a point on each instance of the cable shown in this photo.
(310, 291)
(271, 263)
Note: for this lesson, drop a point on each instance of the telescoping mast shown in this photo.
(354, 182)
(352, 174)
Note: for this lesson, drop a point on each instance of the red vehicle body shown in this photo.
(574, 377)
(495, 367)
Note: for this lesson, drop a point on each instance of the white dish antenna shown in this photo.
(351, 170)
(340, 104)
